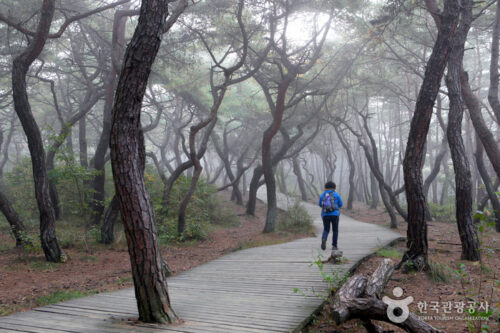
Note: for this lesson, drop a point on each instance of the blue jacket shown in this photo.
(338, 201)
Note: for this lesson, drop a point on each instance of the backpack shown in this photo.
(328, 203)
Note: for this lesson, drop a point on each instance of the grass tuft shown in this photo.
(388, 252)
(61, 296)
(439, 272)
(295, 219)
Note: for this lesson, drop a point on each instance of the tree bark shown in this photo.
(224, 156)
(438, 159)
(252, 191)
(16, 225)
(487, 139)
(127, 160)
(99, 159)
(267, 165)
(390, 211)
(374, 190)
(495, 203)
(412, 163)
(91, 98)
(493, 90)
(5, 151)
(20, 67)
(82, 143)
(463, 185)
(298, 173)
(108, 223)
(352, 169)
(359, 298)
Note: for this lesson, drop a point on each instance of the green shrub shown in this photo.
(203, 211)
(194, 231)
(221, 215)
(167, 231)
(389, 252)
(295, 219)
(444, 213)
(19, 187)
(439, 272)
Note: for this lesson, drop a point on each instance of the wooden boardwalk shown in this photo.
(246, 291)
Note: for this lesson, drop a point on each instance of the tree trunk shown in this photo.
(224, 156)
(127, 160)
(99, 160)
(493, 90)
(91, 98)
(108, 223)
(21, 65)
(359, 298)
(388, 207)
(487, 139)
(495, 203)
(16, 225)
(240, 170)
(5, 151)
(252, 191)
(300, 179)
(374, 190)
(267, 165)
(412, 163)
(463, 197)
(82, 143)
(352, 168)
(437, 164)
(181, 220)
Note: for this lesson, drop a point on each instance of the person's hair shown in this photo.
(330, 184)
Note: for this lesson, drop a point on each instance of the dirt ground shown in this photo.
(24, 278)
(479, 280)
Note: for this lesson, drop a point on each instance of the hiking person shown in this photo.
(330, 203)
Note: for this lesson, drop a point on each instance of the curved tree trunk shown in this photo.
(127, 160)
(99, 159)
(493, 90)
(352, 169)
(495, 203)
(388, 207)
(224, 156)
(240, 170)
(298, 173)
(438, 159)
(463, 185)
(21, 65)
(412, 163)
(82, 143)
(252, 191)
(487, 139)
(374, 190)
(267, 165)
(16, 225)
(108, 223)
(181, 220)
(5, 150)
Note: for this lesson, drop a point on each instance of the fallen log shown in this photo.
(359, 298)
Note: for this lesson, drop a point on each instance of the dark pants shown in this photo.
(334, 221)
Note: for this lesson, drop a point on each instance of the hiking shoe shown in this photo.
(323, 244)
(334, 248)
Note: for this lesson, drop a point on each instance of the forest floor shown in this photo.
(28, 281)
(438, 294)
